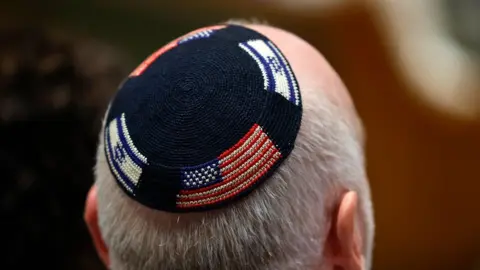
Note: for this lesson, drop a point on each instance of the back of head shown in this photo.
(281, 224)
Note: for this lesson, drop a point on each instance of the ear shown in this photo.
(343, 246)
(91, 218)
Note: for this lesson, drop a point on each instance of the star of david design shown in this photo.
(273, 62)
(119, 153)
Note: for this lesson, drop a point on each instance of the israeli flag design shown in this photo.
(277, 75)
(125, 161)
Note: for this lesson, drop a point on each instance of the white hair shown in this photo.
(281, 225)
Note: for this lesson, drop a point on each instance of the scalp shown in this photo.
(313, 72)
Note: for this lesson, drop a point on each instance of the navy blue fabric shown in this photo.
(194, 102)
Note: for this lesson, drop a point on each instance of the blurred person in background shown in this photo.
(435, 46)
(53, 91)
(235, 146)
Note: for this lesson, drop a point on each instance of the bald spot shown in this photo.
(314, 74)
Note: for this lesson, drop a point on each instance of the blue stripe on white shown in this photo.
(114, 166)
(268, 80)
(277, 75)
(126, 161)
(199, 35)
(292, 85)
(137, 157)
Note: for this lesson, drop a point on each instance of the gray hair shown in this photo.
(283, 224)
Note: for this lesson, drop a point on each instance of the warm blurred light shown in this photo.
(439, 69)
(464, 18)
(307, 5)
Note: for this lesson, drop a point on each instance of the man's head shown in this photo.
(313, 212)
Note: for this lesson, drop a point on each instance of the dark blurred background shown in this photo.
(412, 68)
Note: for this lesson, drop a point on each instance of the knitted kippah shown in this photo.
(203, 121)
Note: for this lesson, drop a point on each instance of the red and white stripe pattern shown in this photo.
(204, 32)
(240, 167)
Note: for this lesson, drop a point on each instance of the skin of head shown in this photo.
(314, 213)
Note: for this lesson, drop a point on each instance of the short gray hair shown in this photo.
(283, 224)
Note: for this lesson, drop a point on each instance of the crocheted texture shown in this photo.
(125, 160)
(203, 120)
(231, 173)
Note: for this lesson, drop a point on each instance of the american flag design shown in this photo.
(201, 176)
(125, 161)
(229, 174)
(197, 34)
(277, 74)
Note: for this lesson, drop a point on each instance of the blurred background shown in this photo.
(412, 68)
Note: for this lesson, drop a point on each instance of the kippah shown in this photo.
(203, 121)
